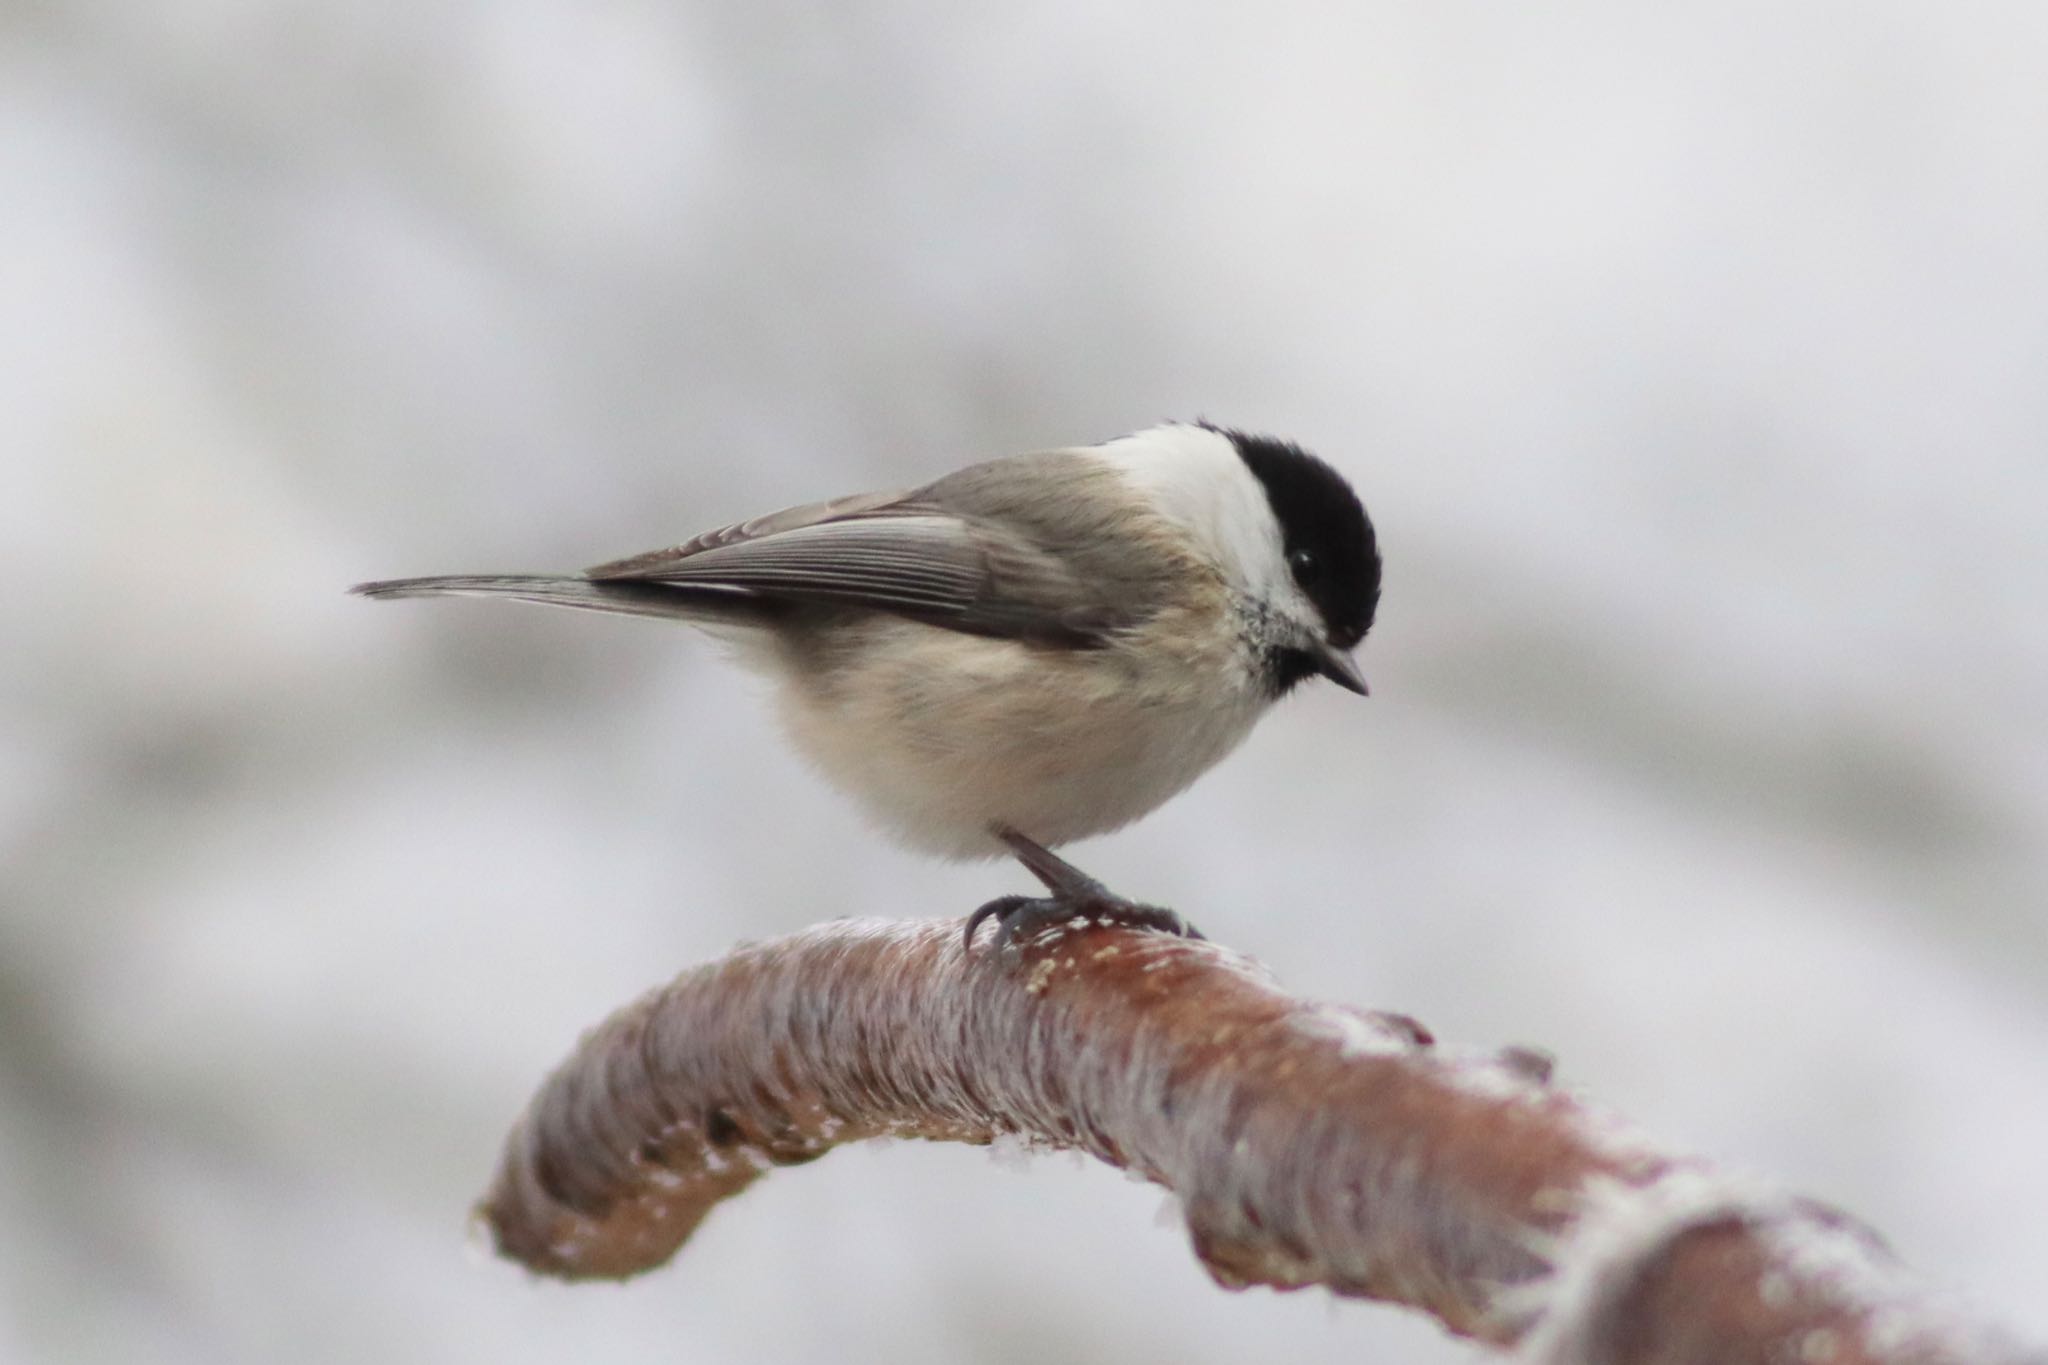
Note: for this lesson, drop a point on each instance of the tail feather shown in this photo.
(694, 603)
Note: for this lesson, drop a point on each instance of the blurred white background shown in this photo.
(1691, 359)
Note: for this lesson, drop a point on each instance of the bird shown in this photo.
(1029, 650)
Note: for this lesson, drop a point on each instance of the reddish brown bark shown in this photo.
(1308, 1143)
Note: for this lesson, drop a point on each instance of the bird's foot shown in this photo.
(1075, 894)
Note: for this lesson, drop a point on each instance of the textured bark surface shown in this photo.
(1308, 1143)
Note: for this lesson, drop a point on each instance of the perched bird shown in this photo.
(1029, 650)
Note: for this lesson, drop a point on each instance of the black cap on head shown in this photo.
(1331, 549)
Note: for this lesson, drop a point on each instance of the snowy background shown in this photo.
(1691, 359)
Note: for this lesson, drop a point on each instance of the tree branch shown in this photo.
(1308, 1144)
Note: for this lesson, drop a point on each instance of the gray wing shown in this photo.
(905, 553)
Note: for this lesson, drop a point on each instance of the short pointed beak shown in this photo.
(1340, 668)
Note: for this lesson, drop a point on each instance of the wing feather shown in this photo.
(889, 552)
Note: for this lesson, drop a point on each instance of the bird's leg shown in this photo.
(1074, 893)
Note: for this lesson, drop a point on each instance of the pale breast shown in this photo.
(939, 735)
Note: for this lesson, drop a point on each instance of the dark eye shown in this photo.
(1307, 568)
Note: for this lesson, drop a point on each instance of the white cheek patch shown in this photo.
(1196, 477)
(1293, 606)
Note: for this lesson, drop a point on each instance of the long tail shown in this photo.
(702, 604)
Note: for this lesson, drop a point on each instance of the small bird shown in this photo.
(1029, 650)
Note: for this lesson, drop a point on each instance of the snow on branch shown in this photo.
(1307, 1144)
